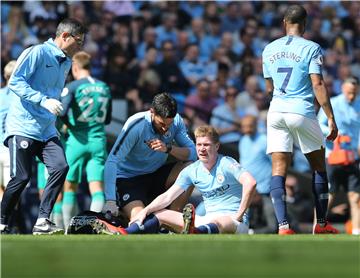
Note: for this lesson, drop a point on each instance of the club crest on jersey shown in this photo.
(220, 178)
(24, 144)
(126, 197)
(167, 134)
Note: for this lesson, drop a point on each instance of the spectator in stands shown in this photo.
(149, 84)
(246, 100)
(172, 79)
(226, 119)
(253, 157)
(167, 30)
(197, 31)
(118, 75)
(182, 44)
(192, 66)
(148, 41)
(227, 41)
(198, 106)
(15, 31)
(97, 41)
(212, 39)
(231, 21)
(122, 40)
(216, 92)
(343, 71)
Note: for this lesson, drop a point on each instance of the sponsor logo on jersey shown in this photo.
(216, 192)
(126, 197)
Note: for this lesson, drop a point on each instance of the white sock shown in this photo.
(40, 220)
(356, 232)
(284, 227)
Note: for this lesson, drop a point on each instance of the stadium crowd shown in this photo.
(206, 54)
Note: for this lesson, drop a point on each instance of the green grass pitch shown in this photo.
(153, 256)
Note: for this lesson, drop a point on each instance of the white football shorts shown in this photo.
(286, 129)
(241, 228)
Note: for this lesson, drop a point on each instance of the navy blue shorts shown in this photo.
(143, 188)
(347, 177)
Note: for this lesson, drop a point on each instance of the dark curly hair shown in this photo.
(164, 105)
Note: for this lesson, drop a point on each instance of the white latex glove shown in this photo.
(53, 105)
(111, 207)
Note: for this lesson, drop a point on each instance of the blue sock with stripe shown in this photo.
(150, 225)
(278, 194)
(210, 228)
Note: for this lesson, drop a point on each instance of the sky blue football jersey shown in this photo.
(131, 156)
(220, 188)
(289, 61)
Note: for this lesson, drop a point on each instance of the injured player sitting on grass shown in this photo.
(226, 187)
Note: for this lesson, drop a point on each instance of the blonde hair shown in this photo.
(207, 131)
(9, 68)
(83, 59)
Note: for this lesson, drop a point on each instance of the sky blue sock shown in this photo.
(277, 193)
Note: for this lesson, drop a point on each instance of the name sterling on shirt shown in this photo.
(285, 55)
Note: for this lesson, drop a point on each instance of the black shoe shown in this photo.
(47, 228)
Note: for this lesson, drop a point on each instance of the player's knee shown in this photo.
(223, 226)
(60, 168)
(63, 167)
(22, 178)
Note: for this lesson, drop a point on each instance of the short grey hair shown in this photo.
(72, 26)
(352, 79)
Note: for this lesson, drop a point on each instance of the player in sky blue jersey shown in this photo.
(226, 187)
(136, 170)
(292, 71)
